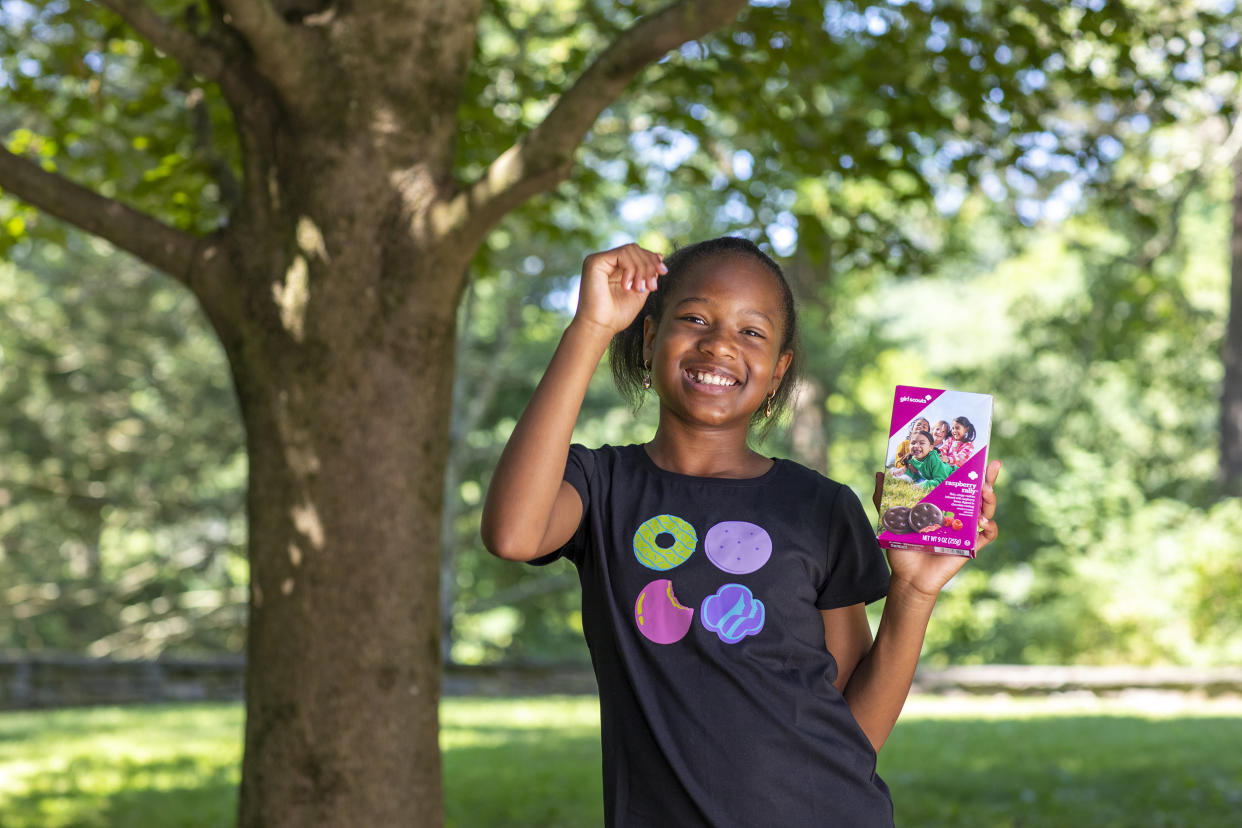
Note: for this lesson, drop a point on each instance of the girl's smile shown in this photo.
(919, 447)
(712, 377)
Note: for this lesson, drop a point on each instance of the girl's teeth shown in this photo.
(712, 379)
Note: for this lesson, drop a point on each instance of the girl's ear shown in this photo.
(782, 365)
(649, 332)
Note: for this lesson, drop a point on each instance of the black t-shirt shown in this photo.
(700, 604)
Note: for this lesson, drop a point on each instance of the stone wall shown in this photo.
(73, 681)
(42, 681)
(1034, 680)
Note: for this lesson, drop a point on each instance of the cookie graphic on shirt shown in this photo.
(737, 547)
(732, 613)
(664, 541)
(659, 615)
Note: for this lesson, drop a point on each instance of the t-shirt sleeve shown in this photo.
(857, 571)
(579, 467)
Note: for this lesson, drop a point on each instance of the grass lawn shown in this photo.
(535, 762)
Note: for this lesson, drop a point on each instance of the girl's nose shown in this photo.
(715, 343)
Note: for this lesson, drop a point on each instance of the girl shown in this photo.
(961, 442)
(940, 436)
(903, 450)
(723, 592)
(925, 467)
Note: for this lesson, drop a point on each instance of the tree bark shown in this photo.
(1231, 354)
(347, 452)
(810, 280)
(340, 335)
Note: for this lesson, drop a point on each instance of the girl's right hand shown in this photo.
(615, 284)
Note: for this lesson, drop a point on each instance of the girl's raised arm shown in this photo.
(530, 510)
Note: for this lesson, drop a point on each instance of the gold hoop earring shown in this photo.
(767, 409)
(646, 383)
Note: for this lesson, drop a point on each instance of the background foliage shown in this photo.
(121, 470)
(1030, 201)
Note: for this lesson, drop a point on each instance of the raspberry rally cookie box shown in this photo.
(917, 512)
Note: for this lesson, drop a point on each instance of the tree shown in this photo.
(1231, 353)
(327, 172)
(333, 287)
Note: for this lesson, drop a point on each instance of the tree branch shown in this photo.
(167, 248)
(1231, 148)
(278, 50)
(544, 156)
(195, 54)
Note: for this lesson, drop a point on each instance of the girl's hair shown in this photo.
(970, 429)
(625, 355)
(931, 441)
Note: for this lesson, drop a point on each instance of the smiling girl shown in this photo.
(925, 466)
(961, 443)
(903, 450)
(723, 592)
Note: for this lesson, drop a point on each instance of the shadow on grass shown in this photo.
(177, 793)
(1036, 772)
(23, 725)
(1115, 771)
(532, 777)
(1044, 771)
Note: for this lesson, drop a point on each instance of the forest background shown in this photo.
(1077, 269)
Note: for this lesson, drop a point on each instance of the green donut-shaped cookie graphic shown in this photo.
(664, 542)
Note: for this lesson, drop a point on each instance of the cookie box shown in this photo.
(933, 471)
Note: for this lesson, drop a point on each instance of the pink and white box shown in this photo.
(931, 503)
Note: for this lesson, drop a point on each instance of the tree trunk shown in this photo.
(807, 432)
(347, 452)
(1231, 354)
(341, 345)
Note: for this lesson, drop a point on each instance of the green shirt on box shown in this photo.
(931, 471)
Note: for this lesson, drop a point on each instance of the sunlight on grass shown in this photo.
(964, 762)
(1142, 703)
(1144, 759)
(522, 762)
(462, 717)
(157, 765)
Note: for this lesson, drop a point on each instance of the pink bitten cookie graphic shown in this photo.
(660, 617)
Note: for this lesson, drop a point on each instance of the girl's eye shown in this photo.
(752, 332)
(696, 320)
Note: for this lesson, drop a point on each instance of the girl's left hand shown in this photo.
(928, 573)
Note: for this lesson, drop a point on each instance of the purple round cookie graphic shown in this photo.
(660, 617)
(732, 613)
(738, 547)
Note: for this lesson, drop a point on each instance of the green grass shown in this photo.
(900, 492)
(1035, 763)
(160, 766)
(988, 763)
(521, 762)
